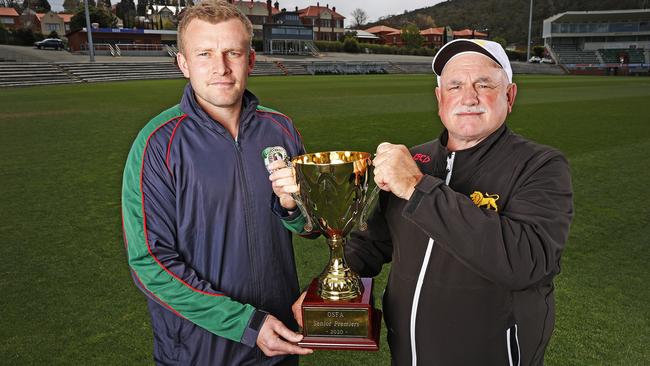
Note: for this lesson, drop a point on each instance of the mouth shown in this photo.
(468, 114)
(222, 84)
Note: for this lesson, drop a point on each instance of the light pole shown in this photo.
(91, 47)
(530, 23)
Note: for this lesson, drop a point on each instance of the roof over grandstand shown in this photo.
(601, 15)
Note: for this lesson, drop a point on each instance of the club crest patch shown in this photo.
(422, 158)
(487, 201)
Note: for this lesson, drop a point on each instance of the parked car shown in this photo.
(55, 43)
(535, 60)
(547, 60)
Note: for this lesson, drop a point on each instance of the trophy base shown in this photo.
(340, 324)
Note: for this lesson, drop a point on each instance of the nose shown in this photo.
(470, 96)
(220, 66)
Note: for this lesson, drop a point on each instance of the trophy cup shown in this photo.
(338, 310)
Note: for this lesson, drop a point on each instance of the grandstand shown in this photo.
(612, 42)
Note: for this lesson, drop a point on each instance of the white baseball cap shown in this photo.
(457, 47)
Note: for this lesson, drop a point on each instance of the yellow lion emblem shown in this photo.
(489, 200)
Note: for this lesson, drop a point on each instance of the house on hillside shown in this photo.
(45, 23)
(9, 18)
(469, 34)
(382, 32)
(437, 37)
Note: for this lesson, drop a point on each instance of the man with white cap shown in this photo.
(473, 222)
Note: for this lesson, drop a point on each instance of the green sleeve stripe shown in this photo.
(215, 312)
(297, 225)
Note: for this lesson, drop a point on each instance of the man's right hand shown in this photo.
(297, 308)
(276, 339)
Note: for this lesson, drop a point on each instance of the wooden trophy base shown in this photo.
(340, 324)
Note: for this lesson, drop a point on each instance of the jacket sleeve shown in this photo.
(159, 270)
(517, 247)
(367, 251)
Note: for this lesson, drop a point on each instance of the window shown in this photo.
(6, 20)
(52, 26)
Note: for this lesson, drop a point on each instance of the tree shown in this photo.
(423, 21)
(126, 11)
(141, 8)
(412, 37)
(359, 17)
(39, 6)
(104, 4)
(70, 6)
(501, 41)
(97, 15)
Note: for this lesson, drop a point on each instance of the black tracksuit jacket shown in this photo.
(471, 285)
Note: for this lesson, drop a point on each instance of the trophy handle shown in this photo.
(368, 207)
(309, 224)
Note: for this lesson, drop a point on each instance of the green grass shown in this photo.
(66, 297)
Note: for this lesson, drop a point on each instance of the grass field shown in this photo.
(66, 297)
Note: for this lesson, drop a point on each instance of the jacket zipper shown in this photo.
(249, 223)
(423, 271)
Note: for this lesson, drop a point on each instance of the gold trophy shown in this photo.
(338, 310)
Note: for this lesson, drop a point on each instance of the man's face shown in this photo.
(474, 98)
(217, 59)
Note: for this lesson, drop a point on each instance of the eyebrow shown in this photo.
(482, 79)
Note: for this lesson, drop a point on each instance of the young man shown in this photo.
(203, 245)
(474, 230)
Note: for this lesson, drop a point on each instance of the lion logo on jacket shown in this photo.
(489, 201)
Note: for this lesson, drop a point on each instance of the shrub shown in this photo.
(26, 37)
(538, 51)
(351, 45)
(516, 55)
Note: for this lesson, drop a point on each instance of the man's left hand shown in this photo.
(283, 182)
(395, 170)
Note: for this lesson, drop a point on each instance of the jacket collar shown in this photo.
(470, 158)
(191, 107)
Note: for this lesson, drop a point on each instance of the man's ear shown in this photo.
(182, 64)
(511, 94)
(251, 61)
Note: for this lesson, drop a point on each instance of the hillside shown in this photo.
(505, 18)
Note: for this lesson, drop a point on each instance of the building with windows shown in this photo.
(45, 23)
(437, 37)
(287, 35)
(382, 32)
(469, 34)
(327, 24)
(601, 42)
(259, 13)
(9, 18)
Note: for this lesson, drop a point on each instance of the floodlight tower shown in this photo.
(530, 23)
(91, 47)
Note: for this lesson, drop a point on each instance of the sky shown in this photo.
(374, 8)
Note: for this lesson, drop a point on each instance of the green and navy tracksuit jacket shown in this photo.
(203, 243)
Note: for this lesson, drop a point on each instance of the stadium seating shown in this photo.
(571, 54)
(611, 56)
(112, 71)
(33, 73)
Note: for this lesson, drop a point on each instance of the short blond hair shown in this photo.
(211, 11)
